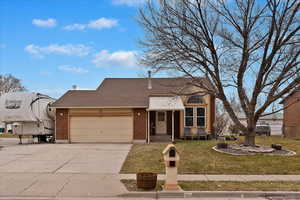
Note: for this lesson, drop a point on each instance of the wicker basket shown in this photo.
(146, 180)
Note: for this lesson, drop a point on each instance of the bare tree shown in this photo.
(9, 83)
(249, 47)
(222, 120)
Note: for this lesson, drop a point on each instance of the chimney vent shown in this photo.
(74, 87)
(149, 80)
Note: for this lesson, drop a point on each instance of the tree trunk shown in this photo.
(250, 139)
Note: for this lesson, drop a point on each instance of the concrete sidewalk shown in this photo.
(226, 195)
(204, 177)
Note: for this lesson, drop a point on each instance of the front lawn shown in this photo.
(224, 185)
(197, 157)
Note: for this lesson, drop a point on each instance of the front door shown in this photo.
(161, 122)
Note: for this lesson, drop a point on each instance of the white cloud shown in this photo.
(75, 27)
(49, 23)
(101, 23)
(129, 2)
(119, 58)
(68, 49)
(72, 69)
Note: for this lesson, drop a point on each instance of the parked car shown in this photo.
(263, 130)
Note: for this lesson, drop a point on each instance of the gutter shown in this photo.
(63, 107)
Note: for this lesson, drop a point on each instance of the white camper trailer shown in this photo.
(28, 113)
(2, 128)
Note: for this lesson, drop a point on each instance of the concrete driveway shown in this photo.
(61, 170)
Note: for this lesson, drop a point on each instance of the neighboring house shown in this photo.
(275, 121)
(291, 115)
(5, 128)
(134, 109)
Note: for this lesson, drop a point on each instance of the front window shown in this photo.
(189, 117)
(195, 115)
(200, 117)
(161, 116)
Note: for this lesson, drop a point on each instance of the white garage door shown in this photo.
(101, 129)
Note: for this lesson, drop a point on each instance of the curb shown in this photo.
(213, 194)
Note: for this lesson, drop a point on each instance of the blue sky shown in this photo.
(54, 44)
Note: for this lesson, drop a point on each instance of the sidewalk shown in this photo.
(220, 195)
(204, 177)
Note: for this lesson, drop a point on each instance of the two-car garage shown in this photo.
(100, 126)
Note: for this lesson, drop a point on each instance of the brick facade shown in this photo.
(139, 124)
(62, 124)
(291, 116)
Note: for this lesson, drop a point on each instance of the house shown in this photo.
(291, 115)
(275, 122)
(134, 109)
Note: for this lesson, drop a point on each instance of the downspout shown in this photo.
(148, 112)
(148, 127)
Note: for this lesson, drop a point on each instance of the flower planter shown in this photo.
(276, 146)
(146, 180)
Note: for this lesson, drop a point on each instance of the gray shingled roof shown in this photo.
(122, 92)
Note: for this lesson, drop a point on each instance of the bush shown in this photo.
(276, 146)
(222, 145)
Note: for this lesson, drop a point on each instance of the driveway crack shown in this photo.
(63, 187)
(29, 186)
(62, 165)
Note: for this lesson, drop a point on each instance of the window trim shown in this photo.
(195, 116)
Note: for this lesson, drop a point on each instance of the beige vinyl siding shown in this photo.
(101, 129)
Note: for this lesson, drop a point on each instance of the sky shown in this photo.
(54, 44)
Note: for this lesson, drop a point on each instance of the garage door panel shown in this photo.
(98, 134)
(85, 122)
(101, 129)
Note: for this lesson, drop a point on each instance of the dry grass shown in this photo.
(9, 135)
(197, 157)
(131, 185)
(224, 185)
(240, 186)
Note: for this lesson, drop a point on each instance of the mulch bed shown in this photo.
(233, 149)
